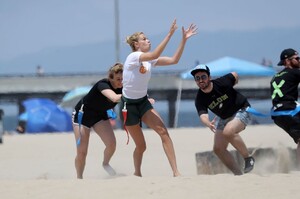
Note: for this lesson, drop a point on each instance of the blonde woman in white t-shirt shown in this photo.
(136, 76)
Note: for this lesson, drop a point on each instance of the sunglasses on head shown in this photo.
(203, 77)
(296, 58)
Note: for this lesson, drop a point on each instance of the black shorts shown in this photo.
(136, 108)
(290, 124)
(90, 117)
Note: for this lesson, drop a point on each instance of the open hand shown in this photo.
(151, 100)
(192, 30)
(173, 27)
(212, 126)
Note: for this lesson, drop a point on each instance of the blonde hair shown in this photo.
(115, 69)
(133, 38)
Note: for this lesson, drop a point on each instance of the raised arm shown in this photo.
(147, 56)
(186, 34)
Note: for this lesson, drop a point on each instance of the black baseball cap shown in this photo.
(200, 67)
(286, 53)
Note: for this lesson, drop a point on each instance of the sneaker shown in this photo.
(249, 164)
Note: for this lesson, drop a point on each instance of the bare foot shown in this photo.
(138, 175)
(109, 170)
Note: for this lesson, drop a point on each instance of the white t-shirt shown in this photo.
(136, 76)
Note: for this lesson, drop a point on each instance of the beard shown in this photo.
(295, 65)
(204, 86)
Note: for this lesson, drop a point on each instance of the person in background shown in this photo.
(284, 93)
(39, 71)
(229, 106)
(136, 76)
(21, 128)
(103, 96)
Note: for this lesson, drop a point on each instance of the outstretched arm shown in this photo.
(111, 95)
(160, 48)
(186, 34)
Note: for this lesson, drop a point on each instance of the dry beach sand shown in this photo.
(42, 166)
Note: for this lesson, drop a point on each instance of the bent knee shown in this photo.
(228, 133)
(162, 131)
(82, 154)
(218, 149)
(141, 148)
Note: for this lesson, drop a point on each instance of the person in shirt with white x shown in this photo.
(284, 93)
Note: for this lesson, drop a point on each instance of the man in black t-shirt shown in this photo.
(223, 100)
(284, 93)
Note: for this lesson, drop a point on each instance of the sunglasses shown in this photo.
(296, 58)
(203, 77)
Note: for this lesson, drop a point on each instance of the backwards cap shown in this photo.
(286, 53)
(200, 67)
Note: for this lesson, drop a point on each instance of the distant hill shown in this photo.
(206, 46)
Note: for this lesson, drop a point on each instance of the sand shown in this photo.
(42, 166)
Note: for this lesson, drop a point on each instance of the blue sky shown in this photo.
(28, 26)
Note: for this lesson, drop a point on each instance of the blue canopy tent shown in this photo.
(226, 65)
(44, 115)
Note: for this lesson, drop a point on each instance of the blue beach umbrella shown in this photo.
(71, 98)
(44, 115)
(23, 116)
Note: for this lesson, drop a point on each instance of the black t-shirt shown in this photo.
(284, 89)
(223, 100)
(95, 100)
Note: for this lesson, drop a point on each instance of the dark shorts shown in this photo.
(290, 124)
(90, 117)
(136, 108)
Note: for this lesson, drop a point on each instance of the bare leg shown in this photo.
(231, 134)
(105, 132)
(154, 121)
(82, 149)
(220, 149)
(140, 147)
(298, 154)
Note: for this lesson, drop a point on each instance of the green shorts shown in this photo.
(136, 108)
